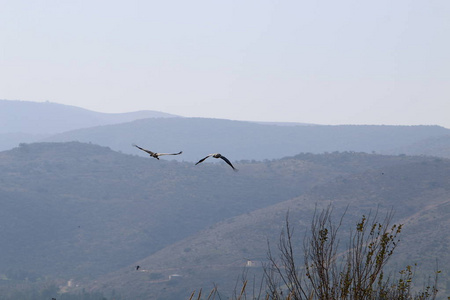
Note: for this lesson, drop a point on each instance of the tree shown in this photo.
(329, 271)
(357, 272)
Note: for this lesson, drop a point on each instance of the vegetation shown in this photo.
(45, 291)
(90, 214)
(88, 197)
(357, 273)
(327, 273)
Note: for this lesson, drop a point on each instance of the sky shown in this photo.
(322, 62)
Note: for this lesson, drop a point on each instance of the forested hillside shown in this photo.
(79, 211)
(72, 201)
(417, 192)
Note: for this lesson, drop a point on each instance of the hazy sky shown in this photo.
(325, 62)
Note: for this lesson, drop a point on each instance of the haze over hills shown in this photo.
(433, 146)
(26, 121)
(239, 140)
(83, 211)
(418, 193)
(88, 197)
(50, 118)
(75, 184)
(90, 211)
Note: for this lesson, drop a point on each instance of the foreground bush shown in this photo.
(327, 272)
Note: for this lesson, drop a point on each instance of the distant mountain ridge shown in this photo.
(50, 118)
(79, 206)
(241, 140)
(433, 146)
(28, 122)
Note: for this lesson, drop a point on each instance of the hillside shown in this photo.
(82, 210)
(26, 121)
(70, 202)
(24, 116)
(239, 140)
(433, 146)
(418, 192)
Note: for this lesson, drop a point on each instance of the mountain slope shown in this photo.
(433, 146)
(70, 202)
(418, 192)
(239, 140)
(26, 122)
(85, 210)
(49, 118)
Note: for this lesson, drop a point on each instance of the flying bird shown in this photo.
(217, 155)
(154, 154)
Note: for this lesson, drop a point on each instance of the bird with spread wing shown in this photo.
(217, 155)
(155, 154)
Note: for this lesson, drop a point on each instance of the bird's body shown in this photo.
(217, 155)
(155, 154)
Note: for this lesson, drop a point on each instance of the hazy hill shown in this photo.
(26, 121)
(418, 192)
(50, 118)
(73, 209)
(435, 146)
(239, 140)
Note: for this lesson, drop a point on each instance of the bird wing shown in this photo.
(145, 150)
(159, 154)
(228, 162)
(203, 159)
